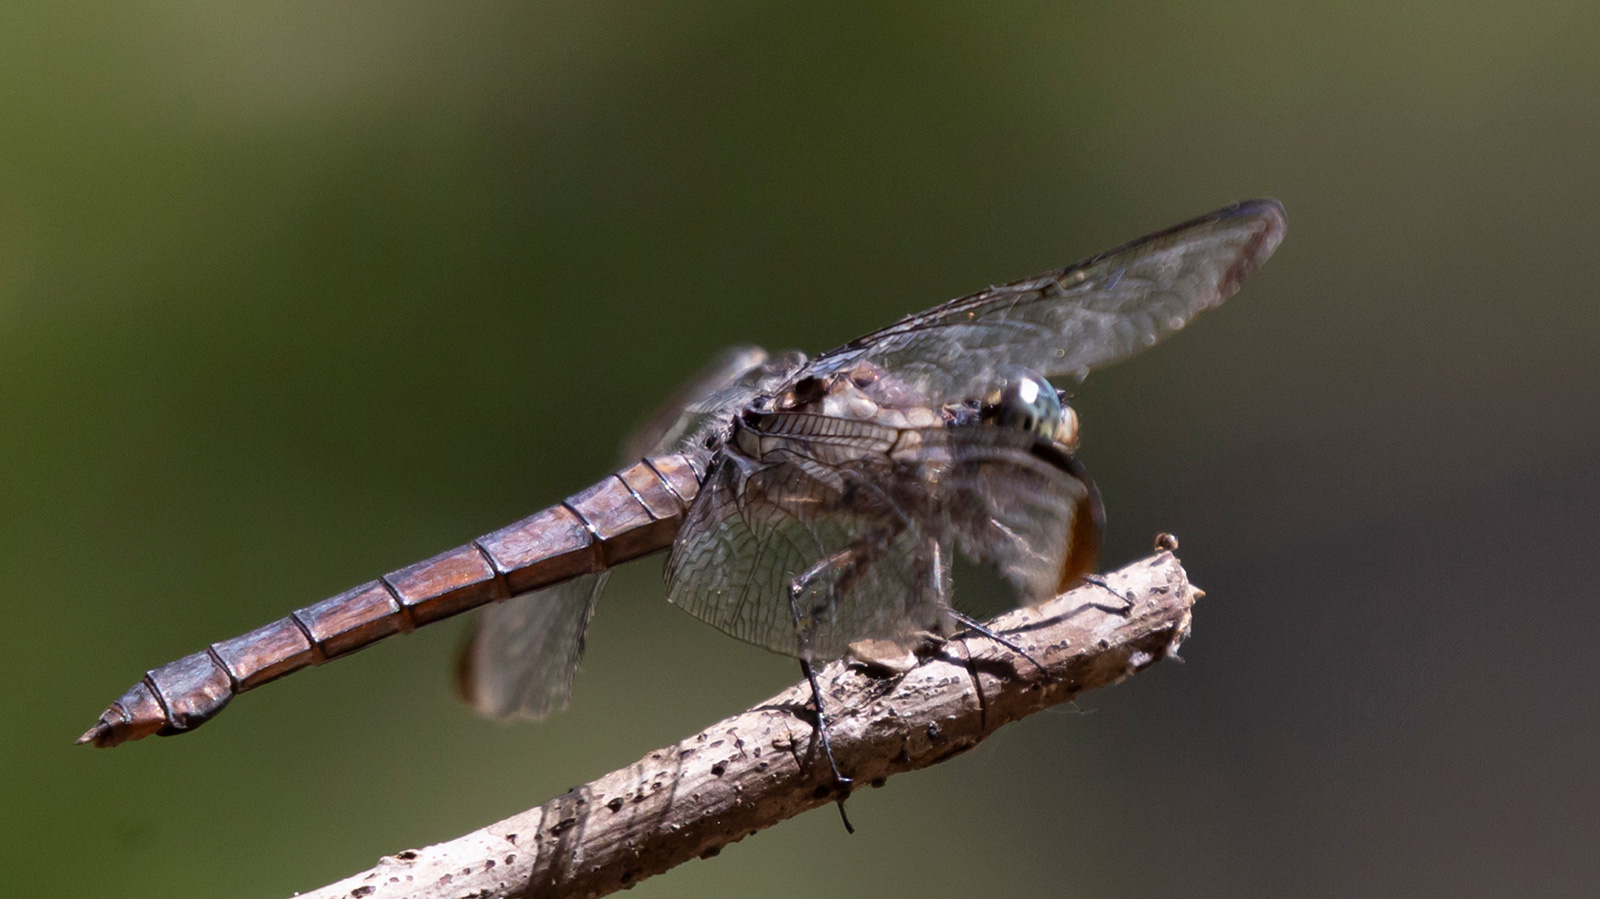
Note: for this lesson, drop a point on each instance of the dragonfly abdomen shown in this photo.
(629, 514)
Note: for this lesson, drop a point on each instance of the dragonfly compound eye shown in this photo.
(1028, 403)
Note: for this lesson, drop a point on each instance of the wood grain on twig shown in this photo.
(761, 766)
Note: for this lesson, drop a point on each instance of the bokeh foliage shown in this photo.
(292, 294)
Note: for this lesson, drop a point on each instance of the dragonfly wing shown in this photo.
(708, 399)
(804, 559)
(524, 651)
(843, 533)
(1066, 322)
(1028, 512)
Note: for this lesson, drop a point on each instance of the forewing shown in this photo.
(1066, 322)
(863, 561)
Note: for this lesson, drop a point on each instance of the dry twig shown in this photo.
(759, 767)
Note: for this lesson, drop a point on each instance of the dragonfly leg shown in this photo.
(1126, 604)
(973, 624)
(840, 782)
(838, 572)
(803, 644)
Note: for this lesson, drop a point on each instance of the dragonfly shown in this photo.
(809, 505)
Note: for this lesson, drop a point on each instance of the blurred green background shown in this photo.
(292, 294)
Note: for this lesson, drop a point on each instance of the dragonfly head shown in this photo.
(1028, 403)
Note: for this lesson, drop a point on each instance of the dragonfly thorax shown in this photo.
(862, 394)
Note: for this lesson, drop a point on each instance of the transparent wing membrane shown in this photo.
(804, 560)
(1066, 322)
(804, 554)
(524, 651)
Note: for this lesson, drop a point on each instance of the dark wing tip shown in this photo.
(1261, 206)
(1273, 223)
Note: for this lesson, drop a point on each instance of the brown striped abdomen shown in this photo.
(629, 514)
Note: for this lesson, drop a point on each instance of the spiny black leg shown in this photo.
(845, 566)
(973, 624)
(1127, 604)
(840, 782)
